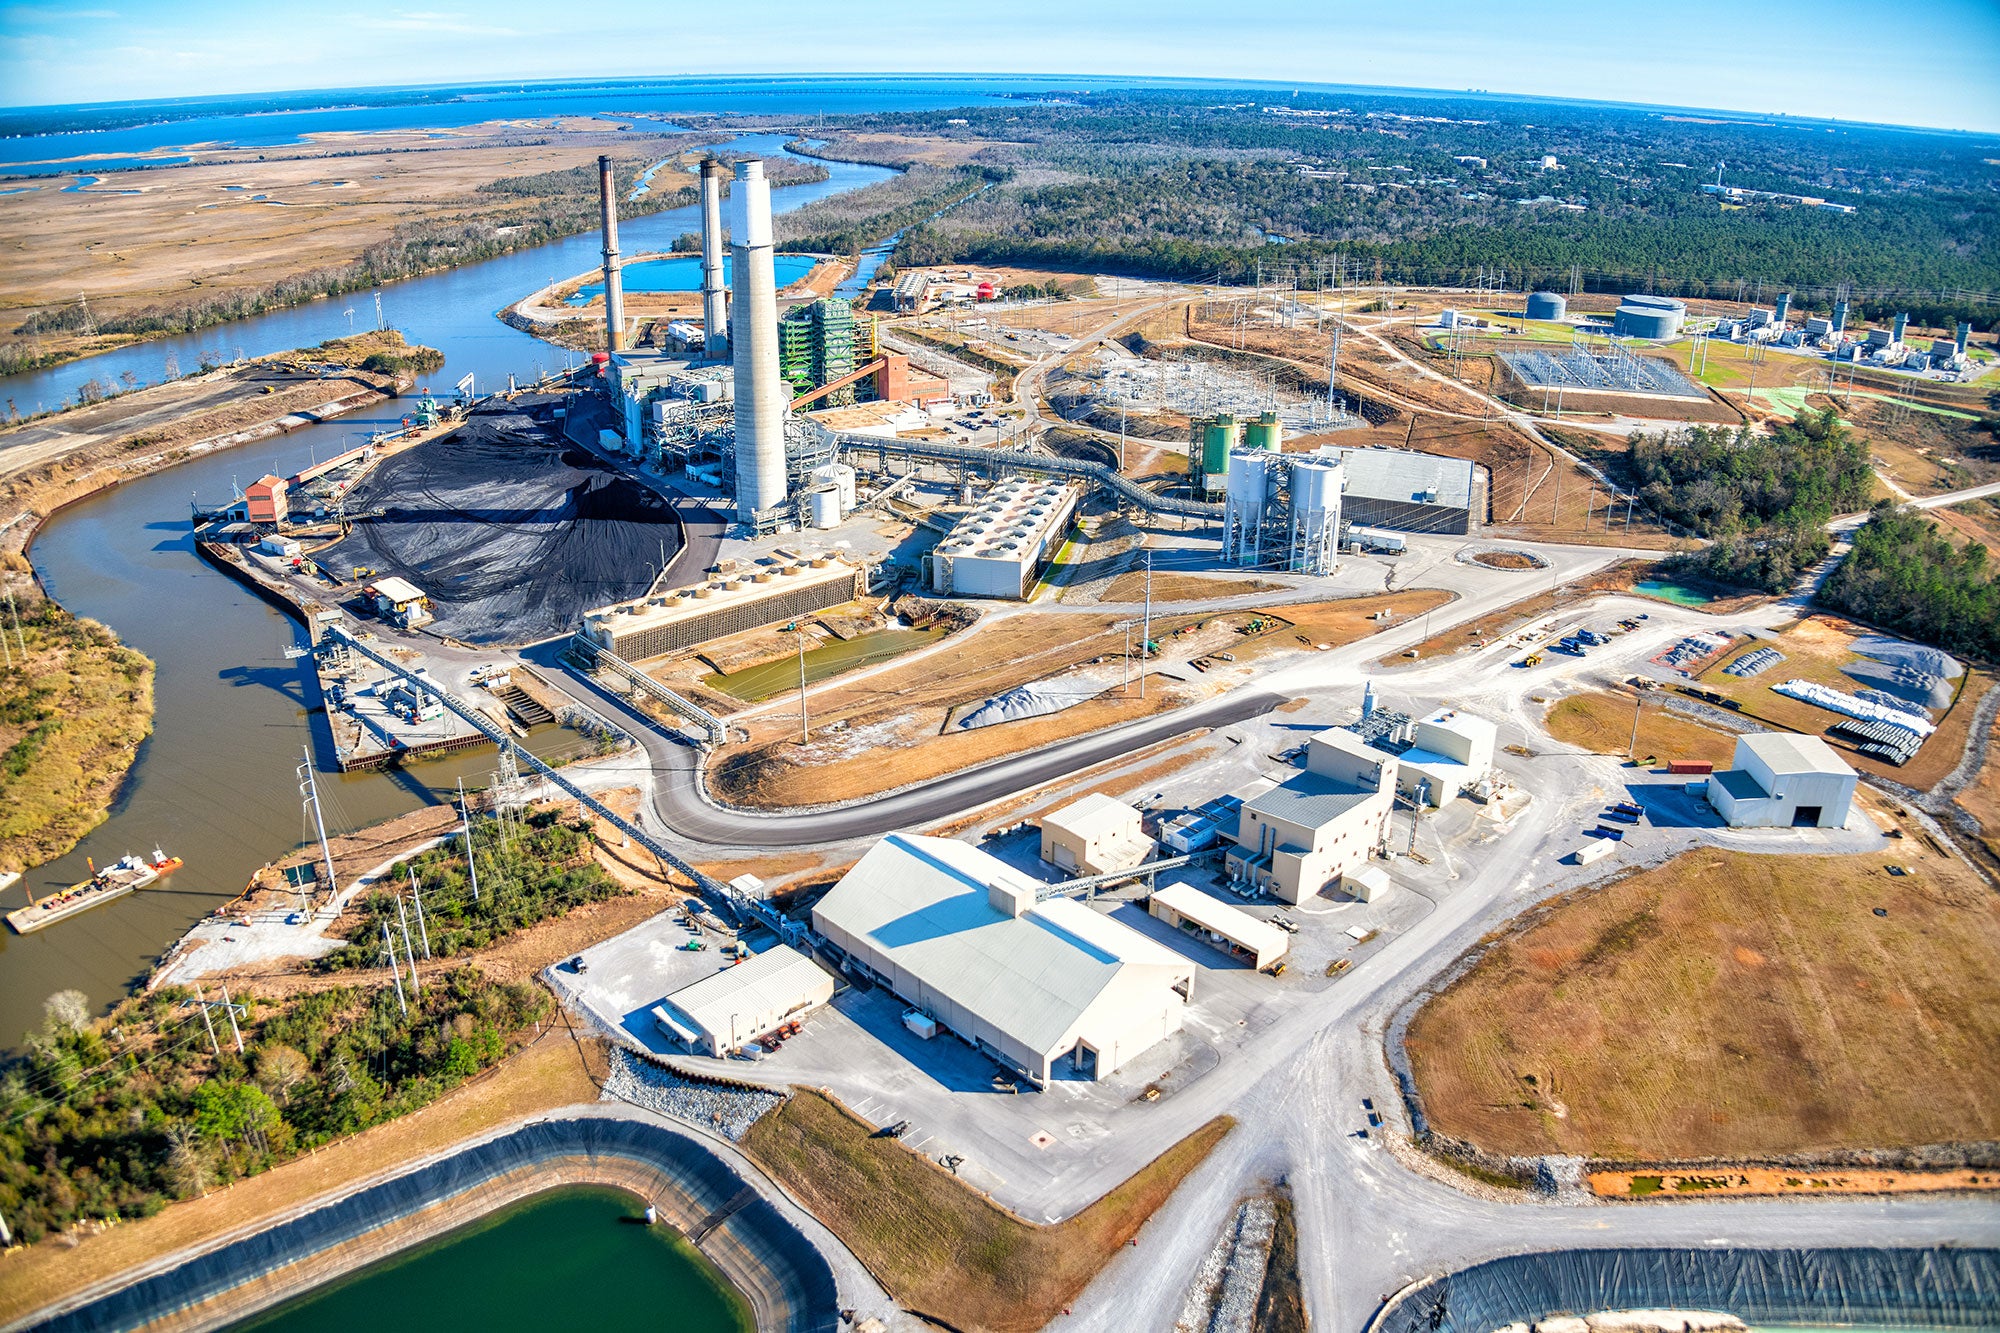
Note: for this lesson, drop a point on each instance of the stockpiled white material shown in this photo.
(1038, 698)
(1837, 702)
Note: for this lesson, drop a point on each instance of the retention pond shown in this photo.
(571, 1258)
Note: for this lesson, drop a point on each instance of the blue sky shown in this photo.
(1935, 62)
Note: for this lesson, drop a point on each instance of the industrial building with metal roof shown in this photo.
(1094, 835)
(1318, 826)
(1257, 943)
(1049, 988)
(1779, 780)
(1412, 492)
(767, 991)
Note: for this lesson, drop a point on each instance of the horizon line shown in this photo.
(1132, 80)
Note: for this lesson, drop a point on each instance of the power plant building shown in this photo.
(1001, 547)
(816, 347)
(1648, 317)
(1320, 826)
(1044, 987)
(1450, 754)
(651, 626)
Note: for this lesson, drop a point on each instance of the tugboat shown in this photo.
(114, 881)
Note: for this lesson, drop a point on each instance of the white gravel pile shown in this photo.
(726, 1111)
(1223, 1295)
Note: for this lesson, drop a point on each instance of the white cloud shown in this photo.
(432, 20)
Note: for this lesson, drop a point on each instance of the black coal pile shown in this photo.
(512, 531)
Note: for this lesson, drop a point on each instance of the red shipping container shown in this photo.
(1690, 766)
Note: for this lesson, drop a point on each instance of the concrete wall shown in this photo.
(783, 604)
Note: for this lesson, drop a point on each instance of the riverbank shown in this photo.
(53, 462)
(74, 706)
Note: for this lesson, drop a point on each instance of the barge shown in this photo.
(114, 881)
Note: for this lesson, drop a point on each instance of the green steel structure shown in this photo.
(1264, 433)
(1209, 446)
(816, 345)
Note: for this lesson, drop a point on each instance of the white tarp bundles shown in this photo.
(1835, 701)
(1038, 698)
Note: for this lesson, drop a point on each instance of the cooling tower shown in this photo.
(761, 403)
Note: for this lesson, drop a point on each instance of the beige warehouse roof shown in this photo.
(923, 902)
(1786, 753)
(1095, 816)
(397, 589)
(1232, 923)
(772, 982)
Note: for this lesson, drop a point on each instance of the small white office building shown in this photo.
(1450, 754)
(1779, 780)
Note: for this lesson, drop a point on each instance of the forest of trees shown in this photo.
(1763, 500)
(1174, 188)
(1904, 576)
(116, 1117)
(530, 869)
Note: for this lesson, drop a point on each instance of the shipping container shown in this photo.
(1690, 766)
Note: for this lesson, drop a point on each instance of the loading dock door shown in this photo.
(1806, 816)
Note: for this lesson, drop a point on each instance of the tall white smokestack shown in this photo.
(761, 405)
(714, 299)
(614, 282)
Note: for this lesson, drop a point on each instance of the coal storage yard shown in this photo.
(510, 529)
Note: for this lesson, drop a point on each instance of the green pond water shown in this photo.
(1673, 592)
(572, 1258)
(830, 659)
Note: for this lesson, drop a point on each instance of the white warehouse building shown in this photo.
(1450, 755)
(719, 1013)
(1052, 989)
(1780, 780)
(1002, 545)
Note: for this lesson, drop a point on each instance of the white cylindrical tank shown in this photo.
(1316, 488)
(761, 402)
(1243, 505)
(840, 475)
(824, 503)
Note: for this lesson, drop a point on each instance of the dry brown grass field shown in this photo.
(1601, 722)
(1729, 1005)
(938, 1247)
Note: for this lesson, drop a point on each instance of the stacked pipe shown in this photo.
(761, 403)
(714, 299)
(614, 284)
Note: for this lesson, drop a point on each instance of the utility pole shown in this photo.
(201, 1002)
(394, 971)
(1146, 635)
(231, 1010)
(309, 788)
(797, 630)
(471, 862)
(422, 930)
(19, 637)
(408, 952)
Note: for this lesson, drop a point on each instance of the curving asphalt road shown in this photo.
(685, 808)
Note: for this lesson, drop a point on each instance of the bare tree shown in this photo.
(280, 1068)
(67, 1011)
(188, 1159)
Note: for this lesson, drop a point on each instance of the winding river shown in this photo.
(215, 783)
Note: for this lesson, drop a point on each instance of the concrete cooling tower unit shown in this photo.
(761, 404)
(714, 299)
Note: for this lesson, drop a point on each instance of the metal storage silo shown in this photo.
(1315, 518)
(1220, 436)
(1546, 305)
(1243, 512)
(1265, 433)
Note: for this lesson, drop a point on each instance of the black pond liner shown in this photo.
(804, 1280)
(1939, 1288)
(513, 531)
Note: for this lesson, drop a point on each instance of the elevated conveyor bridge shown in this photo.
(1023, 460)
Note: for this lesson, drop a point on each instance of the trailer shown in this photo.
(1620, 816)
(1615, 834)
(1591, 852)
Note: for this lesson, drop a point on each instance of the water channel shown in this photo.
(572, 1258)
(215, 783)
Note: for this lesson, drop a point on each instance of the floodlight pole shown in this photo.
(1146, 635)
(1632, 749)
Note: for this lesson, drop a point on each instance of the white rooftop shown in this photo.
(1231, 922)
(1093, 816)
(1785, 753)
(924, 901)
(397, 589)
(770, 982)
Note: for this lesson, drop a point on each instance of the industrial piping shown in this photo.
(760, 396)
(714, 299)
(614, 283)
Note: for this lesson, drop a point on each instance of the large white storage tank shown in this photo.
(1316, 488)
(839, 475)
(1244, 503)
(824, 502)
